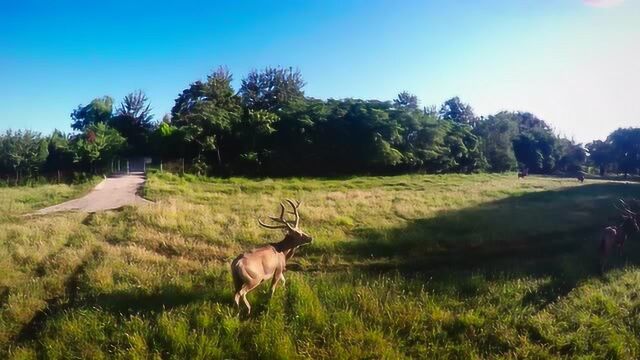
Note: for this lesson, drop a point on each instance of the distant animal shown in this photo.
(268, 262)
(523, 173)
(580, 178)
(615, 236)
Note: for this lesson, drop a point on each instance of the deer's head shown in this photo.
(294, 237)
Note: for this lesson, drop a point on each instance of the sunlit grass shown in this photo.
(449, 266)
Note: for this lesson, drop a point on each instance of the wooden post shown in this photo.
(127, 166)
(161, 166)
(182, 166)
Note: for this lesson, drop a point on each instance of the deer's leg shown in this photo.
(246, 303)
(282, 279)
(246, 288)
(274, 283)
(236, 299)
(619, 249)
(620, 246)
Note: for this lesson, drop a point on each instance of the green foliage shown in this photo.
(22, 153)
(619, 152)
(271, 89)
(61, 154)
(625, 144)
(97, 145)
(601, 155)
(497, 134)
(457, 111)
(534, 144)
(167, 141)
(272, 129)
(269, 128)
(206, 113)
(133, 120)
(406, 100)
(99, 110)
(572, 156)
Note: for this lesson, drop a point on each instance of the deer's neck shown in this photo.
(285, 246)
(625, 229)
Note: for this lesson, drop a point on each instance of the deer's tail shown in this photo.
(236, 269)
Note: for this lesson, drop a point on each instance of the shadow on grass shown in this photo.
(131, 301)
(548, 234)
(543, 234)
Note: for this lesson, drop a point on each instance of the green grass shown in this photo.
(451, 266)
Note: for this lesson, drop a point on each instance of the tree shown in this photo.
(97, 145)
(601, 155)
(255, 127)
(22, 152)
(572, 156)
(406, 100)
(534, 144)
(497, 133)
(167, 141)
(61, 154)
(99, 110)
(271, 89)
(206, 113)
(294, 143)
(357, 136)
(136, 106)
(457, 111)
(625, 145)
(535, 150)
(527, 121)
(133, 120)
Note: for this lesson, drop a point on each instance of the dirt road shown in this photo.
(112, 193)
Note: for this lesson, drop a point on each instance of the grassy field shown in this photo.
(452, 266)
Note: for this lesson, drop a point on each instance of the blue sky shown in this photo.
(572, 62)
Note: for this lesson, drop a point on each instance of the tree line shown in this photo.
(268, 127)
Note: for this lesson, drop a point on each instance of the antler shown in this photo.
(625, 209)
(295, 210)
(284, 223)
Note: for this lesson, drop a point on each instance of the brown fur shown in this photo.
(267, 262)
(614, 237)
(522, 174)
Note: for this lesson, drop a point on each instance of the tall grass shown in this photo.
(450, 266)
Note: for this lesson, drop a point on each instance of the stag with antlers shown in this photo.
(268, 262)
(615, 236)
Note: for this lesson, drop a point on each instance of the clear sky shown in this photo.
(574, 63)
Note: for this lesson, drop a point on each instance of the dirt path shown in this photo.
(112, 193)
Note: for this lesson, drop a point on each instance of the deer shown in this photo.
(251, 268)
(615, 236)
(580, 178)
(523, 173)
